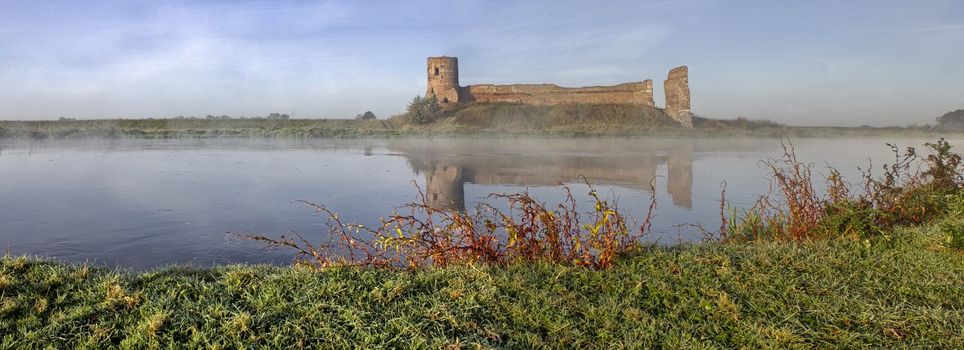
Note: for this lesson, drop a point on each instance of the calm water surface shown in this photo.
(143, 203)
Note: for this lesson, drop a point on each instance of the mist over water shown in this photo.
(148, 203)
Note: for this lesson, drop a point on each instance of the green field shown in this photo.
(476, 119)
(903, 291)
(849, 285)
(874, 266)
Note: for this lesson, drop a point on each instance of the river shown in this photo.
(142, 204)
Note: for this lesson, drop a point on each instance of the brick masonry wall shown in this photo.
(547, 94)
(677, 90)
(443, 79)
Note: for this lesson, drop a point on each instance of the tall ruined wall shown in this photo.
(679, 175)
(677, 88)
(640, 93)
(443, 79)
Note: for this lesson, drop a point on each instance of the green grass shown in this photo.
(560, 119)
(903, 291)
(882, 269)
(481, 119)
(196, 128)
(870, 279)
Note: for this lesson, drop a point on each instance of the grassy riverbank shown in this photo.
(472, 120)
(906, 290)
(880, 267)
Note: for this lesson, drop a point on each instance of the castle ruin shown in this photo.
(443, 83)
(448, 166)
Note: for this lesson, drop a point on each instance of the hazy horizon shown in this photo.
(815, 63)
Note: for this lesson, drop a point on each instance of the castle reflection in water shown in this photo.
(449, 164)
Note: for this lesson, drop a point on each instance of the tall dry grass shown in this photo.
(909, 191)
(912, 190)
(528, 230)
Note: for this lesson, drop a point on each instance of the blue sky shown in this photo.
(878, 62)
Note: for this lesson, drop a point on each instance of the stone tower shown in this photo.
(443, 79)
(445, 187)
(677, 88)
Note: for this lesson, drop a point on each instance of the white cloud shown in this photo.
(339, 58)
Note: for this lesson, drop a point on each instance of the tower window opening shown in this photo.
(436, 71)
(445, 100)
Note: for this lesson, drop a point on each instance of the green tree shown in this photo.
(953, 120)
(423, 109)
(368, 115)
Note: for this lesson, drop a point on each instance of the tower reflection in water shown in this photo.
(448, 165)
